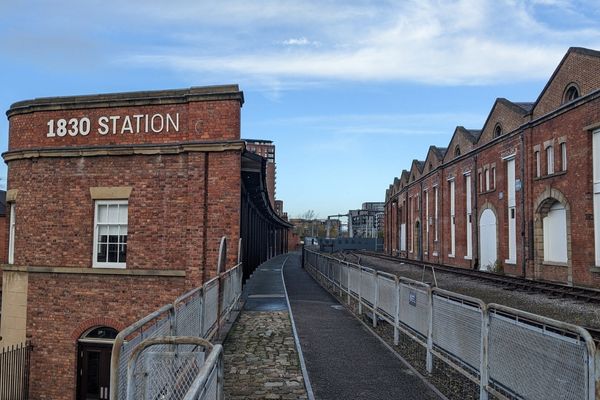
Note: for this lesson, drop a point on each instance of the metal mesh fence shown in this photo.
(457, 330)
(354, 280)
(211, 307)
(536, 362)
(195, 314)
(387, 296)
(414, 307)
(163, 374)
(508, 352)
(160, 326)
(367, 285)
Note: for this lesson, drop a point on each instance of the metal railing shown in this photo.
(14, 371)
(171, 367)
(198, 313)
(507, 352)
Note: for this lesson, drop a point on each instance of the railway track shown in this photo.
(510, 282)
(550, 289)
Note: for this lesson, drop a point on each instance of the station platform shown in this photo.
(342, 359)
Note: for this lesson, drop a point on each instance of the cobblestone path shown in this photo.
(261, 361)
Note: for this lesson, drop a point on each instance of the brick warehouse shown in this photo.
(117, 205)
(521, 194)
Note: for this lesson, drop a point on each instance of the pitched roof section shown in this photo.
(505, 113)
(462, 138)
(581, 67)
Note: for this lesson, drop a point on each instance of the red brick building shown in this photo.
(118, 203)
(521, 194)
(266, 149)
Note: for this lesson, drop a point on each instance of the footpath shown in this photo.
(260, 355)
(343, 359)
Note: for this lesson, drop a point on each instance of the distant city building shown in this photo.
(279, 207)
(367, 222)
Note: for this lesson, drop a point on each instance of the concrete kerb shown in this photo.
(307, 385)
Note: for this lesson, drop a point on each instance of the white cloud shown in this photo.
(285, 43)
(302, 41)
(441, 42)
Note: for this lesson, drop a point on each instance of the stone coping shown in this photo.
(93, 271)
(128, 99)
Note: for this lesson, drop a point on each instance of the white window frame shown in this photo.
(469, 230)
(436, 193)
(563, 156)
(596, 190)
(95, 263)
(452, 219)
(550, 159)
(11, 234)
(426, 244)
(487, 179)
(511, 210)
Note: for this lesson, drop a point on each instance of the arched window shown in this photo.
(555, 234)
(571, 93)
(498, 131)
(101, 333)
(456, 151)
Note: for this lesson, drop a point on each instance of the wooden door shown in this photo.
(93, 371)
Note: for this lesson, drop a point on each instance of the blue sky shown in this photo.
(350, 92)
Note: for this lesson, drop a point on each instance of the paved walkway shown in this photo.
(344, 360)
(261, 361)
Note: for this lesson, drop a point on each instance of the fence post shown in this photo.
(429, 360)
(484, 368)
(397, 312)
(360, 274)
(348, 281)
(596, 362)
(376, 299)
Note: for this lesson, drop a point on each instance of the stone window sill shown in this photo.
(511, 262)
(488, 191)
(595, 269)
(554, 264)
(558, 173)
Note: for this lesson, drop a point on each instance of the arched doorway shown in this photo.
(94, 349)
(487, 240)
(553, 244)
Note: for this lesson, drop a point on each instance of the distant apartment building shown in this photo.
(368, 221)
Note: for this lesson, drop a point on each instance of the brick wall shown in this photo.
(573, 187)
(181, 203)
(578, 67)
(79, 302)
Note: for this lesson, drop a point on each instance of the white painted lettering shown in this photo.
(115, 124)
(103, 122)
(138, 117)
(126, 125)
(174, 124)
(162, 123)
(114, 119)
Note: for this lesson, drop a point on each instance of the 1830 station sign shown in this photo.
(113, 124)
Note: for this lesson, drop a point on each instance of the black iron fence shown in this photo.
(14, 371)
